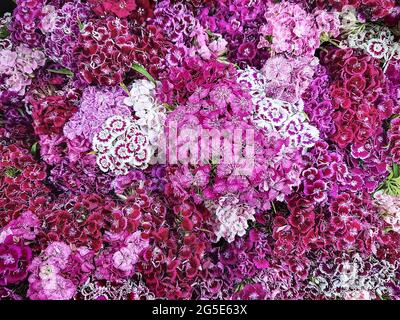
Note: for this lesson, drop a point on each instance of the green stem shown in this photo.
(395, 170)
(125, 88)
(273, 207)
(63, 71)
(143, 71)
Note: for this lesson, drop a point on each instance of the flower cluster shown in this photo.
(138, 10)
(121, 144)
(218, 149)
(232, 218)
(282, 78)
(371, 9)
(394, 139)
(26, 22)
(105, 51)
(350, 277)
(149, 113)
(239, 24)
(317, 103)
(389, 208)
(97, 104)
(360, 96)
(287, 119)
(61, 28)
(17, 64)
(290, 29)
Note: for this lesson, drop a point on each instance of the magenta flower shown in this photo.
(14, 261)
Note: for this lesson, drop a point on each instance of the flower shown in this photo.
(101, 60)
(62, 30)
(232, 218)
(294, 31)
(120, 144)
(251, 292)
(25, 23)
(50, 114)
(14, 261)
(120, 8)
(150, 113)
(216, 149)
(17, 67)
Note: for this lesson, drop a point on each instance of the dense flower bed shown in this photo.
(217, 149)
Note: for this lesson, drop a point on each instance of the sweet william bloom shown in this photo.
(7, 60)
(124, 259)
(50, 114)
(120, 8)
(232, 219)
(251, 292)
(15, 258)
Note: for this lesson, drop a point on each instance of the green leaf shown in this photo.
(125, 88)
(143, 71)
(12, 172)
(80, 24)
(4, 32)
(63, 71)
(395, 170)
(35, 148)
(168, 107)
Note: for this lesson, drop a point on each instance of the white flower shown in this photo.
(121, 144)
(151, 114)
(232, 218)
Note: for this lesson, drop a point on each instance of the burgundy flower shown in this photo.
(355, 66)
(247, 51)
(50, 114)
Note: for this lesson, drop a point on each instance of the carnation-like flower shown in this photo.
(352, 277)
(50, 114)
(17, 66)
(280, 78)
(290, 29)
(121, 144)
(96, 106)
(15, 258)
(61, 28)
(200, 149)
(276, 116)
(26, 22)
(105, 51)
(232, 218)
(149, 113)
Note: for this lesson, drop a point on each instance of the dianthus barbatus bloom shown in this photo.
(232, 218)
(61, 27)
(105, 50)
(150, 114)
(26, 21)
(121, 144)
(15, 258)
(283, 183)
(97, 104)
(17, 64)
